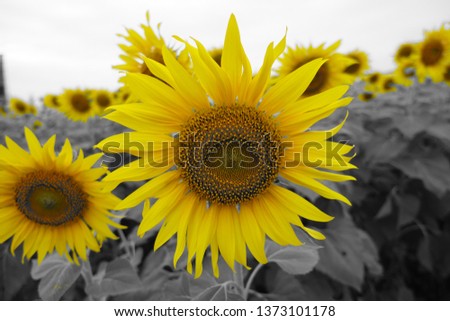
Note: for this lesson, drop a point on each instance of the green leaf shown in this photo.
(119, 277)
(13, 274)
(220, 292)
(345, 253)
(293, 259)
(56, 276)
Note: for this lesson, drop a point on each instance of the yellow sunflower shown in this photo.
(19, 107)
(446, 75)
(366, 96)
(149, 45)
(50, 202)
(214, 145)
(51, 101)
(330, 74)
(77, 105)
(386, 83)
(404, 73)
(360, 65)
(405, 52)
(102, 99)
(433, 55)
(371, 81)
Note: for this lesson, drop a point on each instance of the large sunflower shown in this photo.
(330, 74)
(50, 202)
(77, 105)
(433, 55)
(215, 145)
(149, 45)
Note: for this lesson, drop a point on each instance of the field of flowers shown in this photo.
(87, 227)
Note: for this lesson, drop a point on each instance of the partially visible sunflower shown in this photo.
(361, 64)
(51, 202)
(102, 99)
(433, 53)
(216, 54)
(210, 193)
(77, 105)
(366, 96)
(148, 45)
(446, 75)
(371, 81)
(51, 101)
(19, 107)
(405, 73)
(405, 52)
(386, 84)
(330, 74)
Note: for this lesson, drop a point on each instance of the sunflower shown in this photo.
(360, 65)
(149, 45)
(50, 202)
(405, 52)
(330, 74)
(446, 75)
(19, 107)
(214, 145)
(386, 83)
(77, 105)
(102, 99)
(216, 54)
(433, 55)
(404, 73)
(371, 80)
(366, 96)
(51, 101)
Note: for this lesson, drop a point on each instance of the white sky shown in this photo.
(49, 45)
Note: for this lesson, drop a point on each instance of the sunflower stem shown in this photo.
(250, 280)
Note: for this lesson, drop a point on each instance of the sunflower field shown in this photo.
(311, 177)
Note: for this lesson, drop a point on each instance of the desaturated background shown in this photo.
(48, 45)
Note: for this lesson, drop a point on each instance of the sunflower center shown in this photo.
(447, 74)
(318, 81)
(373, 78)
(50, 198)
(353, 68)
(103, 101)
(432, 52)
(80, 103)
(388, 84)
(405, 52)
(20, 107)
(229, 155)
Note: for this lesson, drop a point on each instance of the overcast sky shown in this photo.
(48, 45)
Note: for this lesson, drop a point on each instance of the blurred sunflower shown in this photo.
(149, 45)
(330, 74)
(231, 203)
(372, 80)
(386, 83)
(51, 101)
(77, 106)
(19, 107)
(404, 73)
(366, 96)
(102, 99)
(405, 52)
(446, 75)
(433, 55)
(50, 202)
(360, 65)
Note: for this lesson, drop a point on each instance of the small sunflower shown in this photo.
(405, 73)
(360, 65)
(77, 105)
(433, 55)
(50, 202)
(405, 52)
(51, 101)
(19, 107)
(371, 81)
(330, 74)
(446, 74)
(102, 99)
(386, 83)
(366, 96)
(148, 45)
(210, 193)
